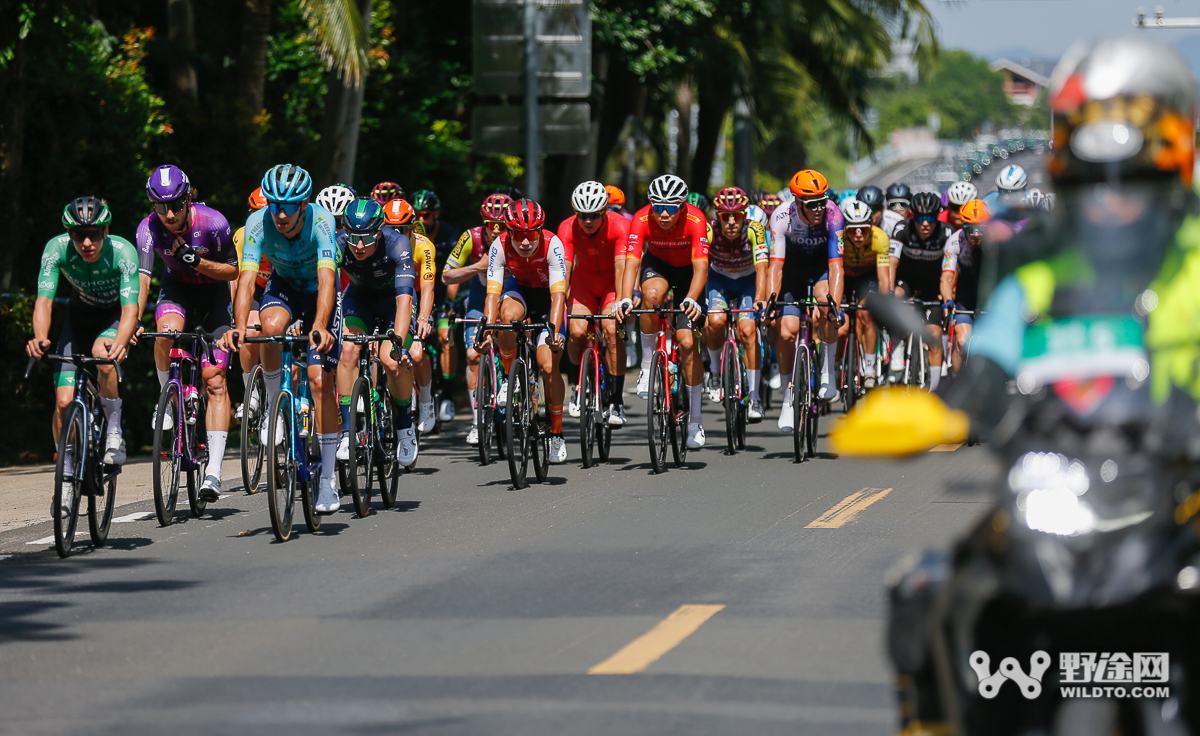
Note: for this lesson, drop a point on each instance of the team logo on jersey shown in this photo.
(840, 244)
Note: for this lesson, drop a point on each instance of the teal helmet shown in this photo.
(286, 183)
(363, 215)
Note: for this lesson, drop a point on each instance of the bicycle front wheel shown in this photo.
(166, 459)
(801, 401)
(730, 367)
(308, 488)
(485, 394)
(850, 374)
(68, 479)
(198, 435)
(604, 429)
(658, 412)
(678, 421)
(253, 449)
(516, 423)
(101, 505)
(588, 416)
(281, 470)
(385, 450)
(362, 446)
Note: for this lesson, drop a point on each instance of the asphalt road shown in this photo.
(739, 595)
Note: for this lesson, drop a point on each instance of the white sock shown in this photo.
(714, 361)
(869, 363)
(785, 380)
(163, 377)
(935, 377)
(274, 383)
(112, 412)
(216, 452)
(899, 349)
(828, 357)
(328, 453)
(472, 395)
(694, 394)
(648, 348)
(426, 392)
(754, 375)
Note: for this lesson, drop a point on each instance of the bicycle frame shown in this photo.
(591, 345)
(740, 349)
(87, 394)
(305, 471)
(189, 456)
(665, 343)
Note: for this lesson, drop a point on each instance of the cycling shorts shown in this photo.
(367, 309)
(857, 287)
(83, 326)
(536, 301)
(963, 319)
(796, 288)
(679, 280)
(726, 291)
(594, 292)
(206, 306)
(302, 306)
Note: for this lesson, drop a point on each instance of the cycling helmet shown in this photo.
(898, 192)
(871, 196)
(975, 212)
(1034, 199)
(615, 195)
(524, 214)
(364, 215)
(86, 212)
(961, 192)
(769, 202)
(926, 203)
(757, 214)
(839, 198)
(386, 191)
(857, 212)
(167, 184)
(698, 200)
(731, 199)
(786, 195)
(493, 207)
(336, 198)
(1012, 178)
(590, 196)
(398, 213)
(808, 183)
(512, 192)
(286, 183)
(257, 200)
(426, 200)
(667, 189)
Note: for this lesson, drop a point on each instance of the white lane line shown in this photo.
(43, 540)
(137, 516)
(5, 557)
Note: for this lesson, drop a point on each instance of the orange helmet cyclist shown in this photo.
(615, 195)
(257, 200)
(808, 183)
(975, 212)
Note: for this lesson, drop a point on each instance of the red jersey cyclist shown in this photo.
(670, 239)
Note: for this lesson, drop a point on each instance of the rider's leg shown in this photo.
(217, 417)
(693, 372)
(828, 330)
(935, 356)
(748, 334)
(614, 357)
(347, 373)
(511, 310)
(275, 321)
(110, 398)
(654, 292)
(714, 334)
(785, 347)
(556, 389)
(868, 339)
(962, 335)
(577, 331)
(449, 353)
(168, 318)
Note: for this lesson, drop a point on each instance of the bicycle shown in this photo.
(81, 439)
(372, 431)
(916, 353)
(806, 407)
(526, 434)
(184, 445)
(594, 394)
(293, 462)
(735, 382)
(851, 370)
(253, 449)
(487, 412)
(667, 401)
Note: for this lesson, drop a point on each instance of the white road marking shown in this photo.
(43, 540)
(137, 516)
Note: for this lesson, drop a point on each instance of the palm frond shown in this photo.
(341, 35)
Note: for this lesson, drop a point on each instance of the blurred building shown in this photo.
(1022, 83)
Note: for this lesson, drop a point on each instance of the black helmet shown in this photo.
(426, 200)
(898, 192)
(926, 203)
(86, 212)
(871, 196)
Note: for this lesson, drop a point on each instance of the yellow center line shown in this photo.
(643, 651)
(850, 507)
(946, 448)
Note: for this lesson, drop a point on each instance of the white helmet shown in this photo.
(757, 214)
(336, 199)
(590, 196)
(1035, 199)
(786, 195)
(1012, 179)
(856, 212)
(667, 189)
(962, 192)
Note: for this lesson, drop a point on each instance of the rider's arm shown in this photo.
(698, 232)
(327, 274)
(760, 250)
(556, 259)
(248, 269)
(423, 260)
(452, 272)
(950, 267)
(47, 285)
(882, 245)
(638, 228)
(326, 296)
(495, 280)
(222, 261)
(126, 260)
(837, 283)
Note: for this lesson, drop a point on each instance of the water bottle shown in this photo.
(305, 414)
(191, 403)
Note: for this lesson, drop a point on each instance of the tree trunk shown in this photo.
(618, 97)
(743, 145)
(12, 155)
(683, 140)
(252, 56)
(181, 30)
(716, 95)
(341, 123)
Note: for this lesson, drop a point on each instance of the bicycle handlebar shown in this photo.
(283, 339)
(199, 334)
(591, 316)
(658, 311)
(78, 361)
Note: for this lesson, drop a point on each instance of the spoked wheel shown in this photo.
(679, 422)
(362, 445)
(500, 423)
(101, 505)
(166, 459)
(308, 488)
(603, 428)
(516, 423)
(588, 415)
(814, 418)
(281, 470)
(485, 392)
(540, 445)
(385, 452)
(68, 479)
(742, 421)
(801, 402)
(850, 376)
(730, 398)
(195, 477)
(658, 413)
(254, 450)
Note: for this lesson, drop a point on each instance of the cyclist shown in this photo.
(737, 278)
(444, 237)
(102, 312)
(386, 191)
(957, 195)
(195, 244)
(401, 217)
(378, 262)
(336, 199)
(669, 237)
(807, 244)
(769, 202)
(468, 262)
(527, 277)
(297, 237)
(699, 201)
(918, 276)
(594, 242)
(960, 276)
(248, 352)
(616, 201)
(898, 199)
(1011, 183)
(866, 267)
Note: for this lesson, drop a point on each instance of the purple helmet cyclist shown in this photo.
(167, 183)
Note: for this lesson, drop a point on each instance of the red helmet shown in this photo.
(257, 200)
(386, 191)
(493, 207)
(524, 214)
(731, 199)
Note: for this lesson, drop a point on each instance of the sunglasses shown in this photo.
(972, 229)
(863, 230)
(404, 230)
(815, 205)
(425, 214)
(174, 206)
(287, 209)
(925, 219)
(362, 240)
(731, 216)
(86, 233)
(589, 216)
(898, 205)
(496, 225)
(520, 235)
(668, 209)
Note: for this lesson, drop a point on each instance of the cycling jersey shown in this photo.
(264, 266)
(679, 246)
(860, 261)
(209, 233)
(805, 249)
(110, 280)
(294, 261)
(443, 238)
(424, 258)
(920, 263)
(594, 256)
(961, 259)
(469, 249)
(545, 269)
(737, 258)
(389, 268)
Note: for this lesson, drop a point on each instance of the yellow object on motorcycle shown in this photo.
(897, 421)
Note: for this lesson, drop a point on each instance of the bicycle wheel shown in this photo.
(657, 413)
(385, 450)
(603, 428)
(516, 423)
(730, 398)
(101, 505)
(678, 421)
(485, 393)
(69, 481)
(281, 471)
(814, 417)
(198, 435)
(540, 446)
(308, 488)
(362, 446)
(801, 401)
(253, 451)
(166, 458)
(588, 416)
(850, 376)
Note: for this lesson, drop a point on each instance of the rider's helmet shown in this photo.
(524, 214)
(257, 200)
(698, 200)
(1012, 178)
(754, 213)
(898, 192)
(398, 213)
(615, 195)
(493, 207)
(731, 199)
(667, 189)
(975, 212)
(926, 203)
(386, 191)
(961, 192)
(511, 192)
(424, 200)
(336, 198)
(364, 215)
(857, 212)
(871, 196)
(808, 183)
(286, 183)
(86, 212)
(769, 202)
(167, 183)
(1035, 199)
(589, 197)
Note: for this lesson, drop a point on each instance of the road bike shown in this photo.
(372, 430)
(806, 407)
(851, 368)
(667, 399)
(489, 422)
(735, 381)
(917, 369)
(254, 408)
(527, 435)
(595, 433)
(79, 468)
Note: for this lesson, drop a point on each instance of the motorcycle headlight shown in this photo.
(1048, 488)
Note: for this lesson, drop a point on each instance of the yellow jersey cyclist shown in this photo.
(468, 263)
(297, 237)
(248, 351)
(378, 262)
(101, 314)
(428, 208)
(738, 278)
(866, 267)
(401, 217)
